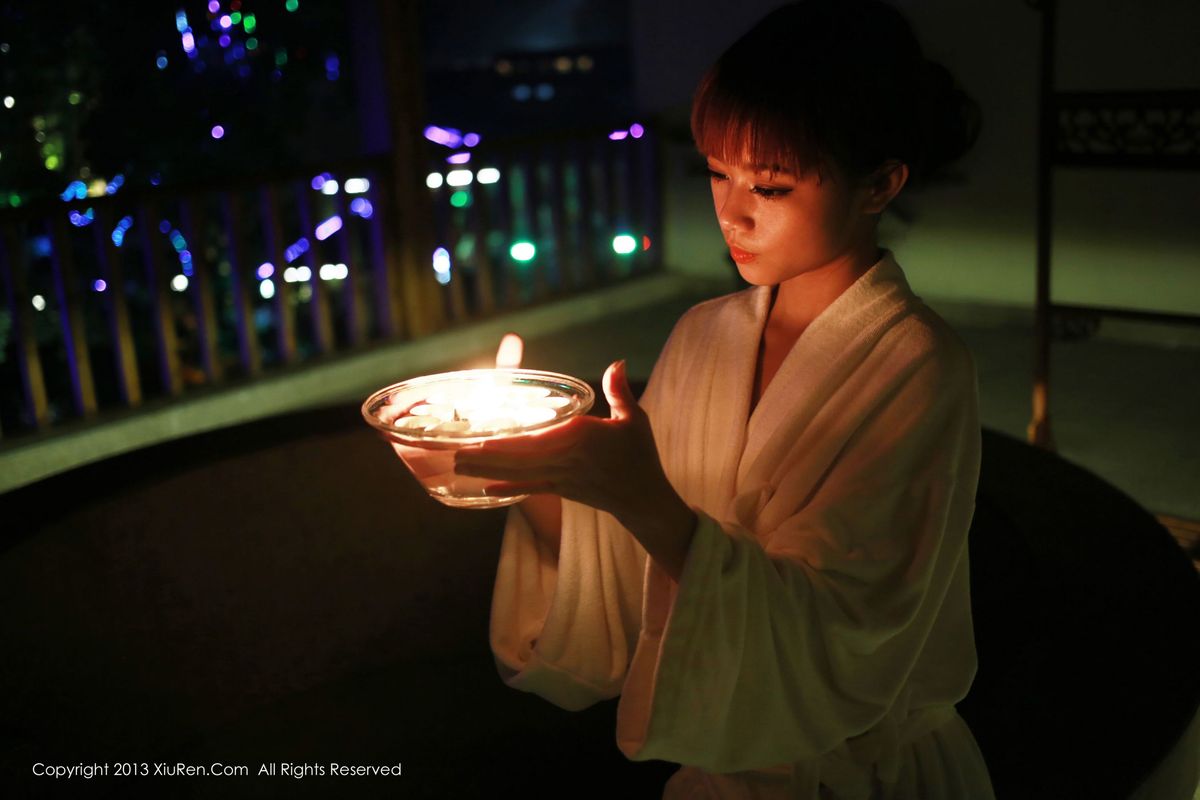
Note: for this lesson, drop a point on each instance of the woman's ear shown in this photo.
(884, 184)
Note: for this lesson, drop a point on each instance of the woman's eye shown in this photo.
(769, 193)
(714, 175)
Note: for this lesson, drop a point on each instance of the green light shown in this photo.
(465, 248)
(522, 251)
(280, 57)
(460, 199)
(52, 162)
(624, 244)
(14, 199)
(292, 5)
(74, 98)
(235, 18)
(250, 23)
(252, 43)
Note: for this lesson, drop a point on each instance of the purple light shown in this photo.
(297, 249)
(617, 136)
(265, 270)
(217, 132)
(225, 21)
(224, 40)
(213, 6)
(471, 139)
(331, 63)
(319, 181)
(636, 130)
(362, 207)
(189, 43)
(99, 285)
(443, 136)
(328, 228)
(164, 227)
(458, 158)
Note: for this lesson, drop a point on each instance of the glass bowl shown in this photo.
(428, 419)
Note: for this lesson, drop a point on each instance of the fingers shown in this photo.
(505, 470)
(508, 489)
(616, 390)
(544, 443)
(510, 352)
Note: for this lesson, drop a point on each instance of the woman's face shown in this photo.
(780, 225)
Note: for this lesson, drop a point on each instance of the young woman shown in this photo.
(767, 559)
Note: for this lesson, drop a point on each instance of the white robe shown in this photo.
(820, 633)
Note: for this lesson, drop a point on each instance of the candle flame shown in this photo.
(511, 350)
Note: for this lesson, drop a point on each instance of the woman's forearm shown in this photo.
(664, 525)
(544, 514)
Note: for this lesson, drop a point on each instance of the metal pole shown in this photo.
(1039, 432)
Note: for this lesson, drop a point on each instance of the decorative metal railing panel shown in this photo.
(110, 302)
(1155, 130)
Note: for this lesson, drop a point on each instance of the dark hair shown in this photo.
(832, 83)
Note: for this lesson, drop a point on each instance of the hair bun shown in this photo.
(949, 117)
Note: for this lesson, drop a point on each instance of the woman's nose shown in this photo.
(733, 215)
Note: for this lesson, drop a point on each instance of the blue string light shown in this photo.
(297, 249)
(82, 220)
(76, 190)
(118, 234)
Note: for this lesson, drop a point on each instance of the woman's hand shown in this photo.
(609, 464)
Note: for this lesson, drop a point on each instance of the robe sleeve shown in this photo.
(566, 630)
(776, 646)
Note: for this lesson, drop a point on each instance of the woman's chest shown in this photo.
(773, 348)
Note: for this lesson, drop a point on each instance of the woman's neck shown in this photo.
(796, 302)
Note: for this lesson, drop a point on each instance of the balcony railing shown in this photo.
(114, 301)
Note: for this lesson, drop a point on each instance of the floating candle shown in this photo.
(428, 418)
(481, 406)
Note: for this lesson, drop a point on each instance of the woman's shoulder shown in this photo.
(701, 326)
(929, 338)
(724, 310)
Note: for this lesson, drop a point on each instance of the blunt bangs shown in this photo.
(746, 128)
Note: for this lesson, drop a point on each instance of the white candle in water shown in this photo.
(483, 406)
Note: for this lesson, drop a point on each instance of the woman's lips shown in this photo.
(741, 256)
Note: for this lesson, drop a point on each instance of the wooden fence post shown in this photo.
(410, 230)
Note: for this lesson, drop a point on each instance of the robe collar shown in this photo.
(846, 327)
(732, 454)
